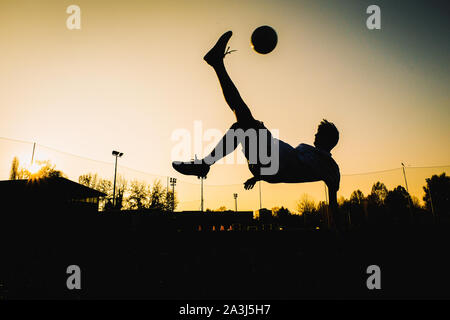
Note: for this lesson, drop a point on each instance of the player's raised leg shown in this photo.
(214, 58)
(244, 118)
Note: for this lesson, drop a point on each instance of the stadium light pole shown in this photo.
(116, 154)
(201, 191)
(260, 201)
(173, 182)
(235, 195)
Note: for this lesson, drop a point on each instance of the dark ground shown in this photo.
(122, 259)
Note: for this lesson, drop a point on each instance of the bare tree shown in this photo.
(157, 196)
(378, 194)
(46, 170)
(357, 197)
(14, 174)
(89, 180)
(170, 201)
(306, 204)
(437, 194)
(139, 195)
(105, 186)
(121, 188)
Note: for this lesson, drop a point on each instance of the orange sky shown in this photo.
(134, 73)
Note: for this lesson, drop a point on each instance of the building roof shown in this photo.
(56, 187)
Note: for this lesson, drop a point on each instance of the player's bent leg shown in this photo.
(194, 167)
(225, 146)
(200, 167)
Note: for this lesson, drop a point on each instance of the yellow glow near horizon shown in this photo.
(34, 168)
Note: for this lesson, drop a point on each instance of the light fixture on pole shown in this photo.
(235, 195)
(116, 154)
(173, 182)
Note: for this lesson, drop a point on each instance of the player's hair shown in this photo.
(328, 135)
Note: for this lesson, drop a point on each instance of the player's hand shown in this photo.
(250, 183)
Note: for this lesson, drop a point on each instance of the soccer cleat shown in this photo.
(216, 54)
(192, 168)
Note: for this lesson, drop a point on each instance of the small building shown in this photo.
(48, 194)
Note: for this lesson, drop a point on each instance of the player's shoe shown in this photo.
(192, 168)
(216, 54)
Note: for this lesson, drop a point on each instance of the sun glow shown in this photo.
(33, 168)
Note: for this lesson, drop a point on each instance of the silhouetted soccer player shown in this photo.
(304, 163)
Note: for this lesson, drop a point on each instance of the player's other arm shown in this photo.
(276, 178)
(333, 206)
(250, 183)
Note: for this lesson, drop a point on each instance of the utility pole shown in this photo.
(235, 195)
(406, 184)
(173, 182)
(431, 203)
(32, 155)
(404, 176)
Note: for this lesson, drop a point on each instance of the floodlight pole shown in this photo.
(114, 189)
(173, 182)
(260, 201)
(201, 201)
(116, 154)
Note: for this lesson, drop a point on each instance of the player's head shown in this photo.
(327, 136)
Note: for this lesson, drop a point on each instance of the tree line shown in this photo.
(380, 206)
(136, 195)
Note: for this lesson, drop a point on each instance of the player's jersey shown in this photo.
(321, 164)
(315, 164)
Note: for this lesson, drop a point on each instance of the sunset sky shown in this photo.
(134, 74)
